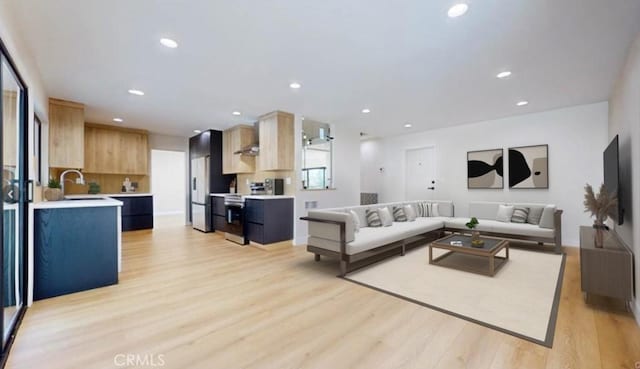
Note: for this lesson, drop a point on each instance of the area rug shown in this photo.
(521, 299)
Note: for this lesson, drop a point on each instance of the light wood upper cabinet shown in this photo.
(277, 145)
(116, 150)
(235, 139)
(66, 134)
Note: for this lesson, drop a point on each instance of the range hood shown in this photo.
(254, 148)
(250, 150)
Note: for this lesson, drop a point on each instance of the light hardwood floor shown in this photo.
(202, 302)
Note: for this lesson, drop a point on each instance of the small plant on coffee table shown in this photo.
(475, 235)
(471, 224)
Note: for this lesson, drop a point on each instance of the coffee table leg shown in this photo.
(430, 254)
(507, 248)
(492, 269)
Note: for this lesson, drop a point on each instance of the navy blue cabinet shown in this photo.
(137, 212)
(268, 220)
(218, 214)
(75, 249)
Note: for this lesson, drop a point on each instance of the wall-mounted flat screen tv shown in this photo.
(612, 177)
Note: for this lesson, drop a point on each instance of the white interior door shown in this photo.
(167, 184)
(420, 173)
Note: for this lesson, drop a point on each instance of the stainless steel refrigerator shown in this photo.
(200, 203)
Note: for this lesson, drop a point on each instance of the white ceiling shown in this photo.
(404, 59)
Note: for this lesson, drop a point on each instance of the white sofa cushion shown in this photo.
(520, 229)
(356, 220)
(460, 223)
(505, 212)
(483, 210)
(385, 216)
(410, 212)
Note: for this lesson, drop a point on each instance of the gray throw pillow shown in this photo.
(534, 215)
(373, 219)
(399, 214)
(547, 218)
(520, 214)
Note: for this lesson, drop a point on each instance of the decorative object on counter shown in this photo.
(53, 191)
(475, 235)
(94, 188)
(601, 206)
(127, 185)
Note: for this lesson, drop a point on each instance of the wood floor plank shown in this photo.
(203, 302)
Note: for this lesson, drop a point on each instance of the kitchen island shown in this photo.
(77, 245)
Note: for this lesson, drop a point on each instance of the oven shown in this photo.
(234, 214)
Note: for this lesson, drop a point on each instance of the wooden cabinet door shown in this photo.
(227, 152)
(235, 139)
(115, 151)
(277, 145)
(66, 134)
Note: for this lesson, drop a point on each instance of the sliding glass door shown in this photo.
(12, 218)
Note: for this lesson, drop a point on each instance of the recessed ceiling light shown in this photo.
(236, 113)
(136, 92)
(366, 111)
(295, 85)
(172, 44)
(504, 74)
(408, 125)
(197, 131)
(457, 10)
(522, 103)
(119, 120)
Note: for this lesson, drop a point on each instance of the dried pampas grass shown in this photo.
(601, 205)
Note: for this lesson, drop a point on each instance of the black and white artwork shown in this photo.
(529, 167)
(485, 169)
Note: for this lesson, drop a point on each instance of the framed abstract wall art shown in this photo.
(529, 167)
(485, 169)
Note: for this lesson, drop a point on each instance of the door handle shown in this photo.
(194, 184)
(30, 190)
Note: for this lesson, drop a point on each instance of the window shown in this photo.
(317, 155)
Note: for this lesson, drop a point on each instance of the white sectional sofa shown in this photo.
(549, 230)
(332, 232)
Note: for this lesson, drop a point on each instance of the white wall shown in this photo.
(576, 137)
(173, 143)
(168, 188)
(624, 120)
(346, 172)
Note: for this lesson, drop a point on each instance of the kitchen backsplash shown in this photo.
(109, 183)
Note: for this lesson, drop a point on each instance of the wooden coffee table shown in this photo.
(491, 247)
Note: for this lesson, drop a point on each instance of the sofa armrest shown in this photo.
(557, 229)
(332, 229)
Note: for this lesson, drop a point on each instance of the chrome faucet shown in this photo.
(78, 181)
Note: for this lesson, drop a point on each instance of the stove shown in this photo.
(234, 213)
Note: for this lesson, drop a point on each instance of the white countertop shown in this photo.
(257, 197)
(101, 202)
(121, 194)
